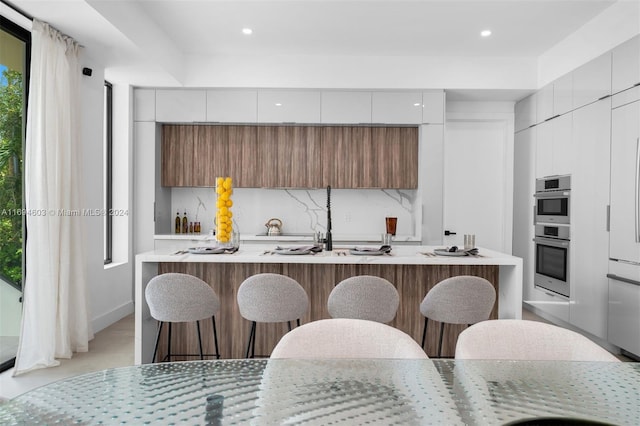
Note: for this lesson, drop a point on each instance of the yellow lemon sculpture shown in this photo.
(224, 226)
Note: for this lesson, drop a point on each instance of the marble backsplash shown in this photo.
(355, 213)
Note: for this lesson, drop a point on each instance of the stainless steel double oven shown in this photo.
(552, 234)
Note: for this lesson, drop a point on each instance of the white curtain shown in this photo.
(55, 319)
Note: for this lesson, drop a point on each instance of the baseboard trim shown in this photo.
(113, 316)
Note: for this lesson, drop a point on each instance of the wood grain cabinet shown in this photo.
(177, 155)
(370, 157)
(293, 156)
(290, 156)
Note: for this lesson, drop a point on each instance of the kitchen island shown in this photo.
(414, 270)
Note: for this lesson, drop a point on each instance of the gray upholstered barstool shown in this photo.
(464, 299)
(364, 297)
(174, 297)
(270, 298)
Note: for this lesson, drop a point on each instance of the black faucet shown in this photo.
(328, 241)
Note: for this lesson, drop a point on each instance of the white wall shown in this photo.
(361, 72)
(615, 25)
(110, 289)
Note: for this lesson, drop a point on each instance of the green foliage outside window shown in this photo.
(11, 107)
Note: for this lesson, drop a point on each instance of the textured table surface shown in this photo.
(350, 392)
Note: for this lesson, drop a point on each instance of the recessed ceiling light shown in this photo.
(278, 104)
(247, 31)
(485, 33)
(416, 104)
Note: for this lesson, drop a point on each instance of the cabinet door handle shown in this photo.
(608, 217)
(637, 185)
(623, 279)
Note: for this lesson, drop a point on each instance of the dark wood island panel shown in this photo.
(412, 282)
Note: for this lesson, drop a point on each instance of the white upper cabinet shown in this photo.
(288, 106)
(433, 107)
(181, 106)
(625, 97)
(346, 107)
(397, 107)
(544, 103)
(626, 65)
(555, 98)
(544, 149)
(525, 112)
(232, 106)
(563, 94)
(554, 155)
(144, 105)
(563, 149)
(592, 81)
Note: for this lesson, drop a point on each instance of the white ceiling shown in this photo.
(155, 41)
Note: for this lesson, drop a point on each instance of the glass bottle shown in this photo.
(178, 223)
(185, 223)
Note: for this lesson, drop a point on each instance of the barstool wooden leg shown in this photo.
(199, 339)
(215, 336)
(155, 350)
(440, 344)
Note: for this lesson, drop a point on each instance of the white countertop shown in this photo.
(400, 255)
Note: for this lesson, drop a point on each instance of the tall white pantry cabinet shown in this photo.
(578, 141)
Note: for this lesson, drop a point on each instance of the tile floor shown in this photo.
(111, 348)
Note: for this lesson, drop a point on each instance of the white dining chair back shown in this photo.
(511, 339)
(347, 338)
(364, 297)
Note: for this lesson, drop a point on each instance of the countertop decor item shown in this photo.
(224, 222)
(274, 226)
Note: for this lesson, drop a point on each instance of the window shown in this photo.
(108, 172)
(14, 83)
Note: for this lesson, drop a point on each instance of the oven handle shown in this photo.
(551, 194)
(551, 242)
